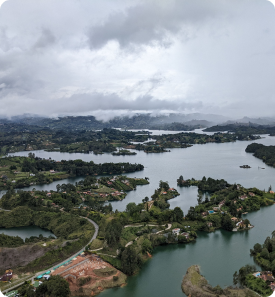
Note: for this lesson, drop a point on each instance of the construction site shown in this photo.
(89, 275)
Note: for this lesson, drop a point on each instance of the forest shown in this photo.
(263, 152)
(20, 172)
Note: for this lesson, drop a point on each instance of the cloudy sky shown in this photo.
(107, 57)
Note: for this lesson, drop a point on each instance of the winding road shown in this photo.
(51, 268)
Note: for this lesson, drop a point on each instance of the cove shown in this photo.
(218, 254)
(26, 232)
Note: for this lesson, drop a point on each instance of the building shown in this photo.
(7, 276)
(234, 219)
(209, 224)
(186, 234)
(267, 276)
(243, 197)
(176, 231)
(204, 214)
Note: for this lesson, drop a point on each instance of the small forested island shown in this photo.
(242, 129)
(183, 138)
(195, 285)
(124, 153)
(263, 152)
(176, 127)
(20, 172)
(224, 204)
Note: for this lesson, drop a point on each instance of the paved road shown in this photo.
(41, 272)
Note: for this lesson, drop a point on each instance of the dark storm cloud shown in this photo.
(151, 22)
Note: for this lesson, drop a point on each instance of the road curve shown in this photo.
(51, 268)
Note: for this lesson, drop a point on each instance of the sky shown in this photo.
(107, 58)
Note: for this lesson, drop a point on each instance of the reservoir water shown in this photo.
(219, 254)
(25, 232)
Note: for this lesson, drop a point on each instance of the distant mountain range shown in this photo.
(176, 122)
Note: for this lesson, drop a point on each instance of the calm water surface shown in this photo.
(219, 254)
(25, 232)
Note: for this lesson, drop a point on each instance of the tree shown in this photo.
(178, 214)
(131, 208)
(113, 232)
(243, 272)
(147, 246)
(265, 254)
(257, 248)
(56, 286)
(226, 223)
(246, 222)
(164, 185)
(129, 260)
(146, 199)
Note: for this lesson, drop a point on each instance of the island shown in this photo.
(19, 172)
(263, 152)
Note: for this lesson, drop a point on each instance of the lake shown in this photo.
(219, 254)
(25, 232)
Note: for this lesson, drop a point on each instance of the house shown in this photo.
(7, 276)
(204, 214)
(271, 192)
(186, 234)
(267, 276)
(251, 194)
(176, 231)
(49, 194)
(32, 174)
(234, 219)
(216, 208)
(221, 203)
(209, 224)
(164, 193)
(52, 171)
(240, 224)
(243, 197)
